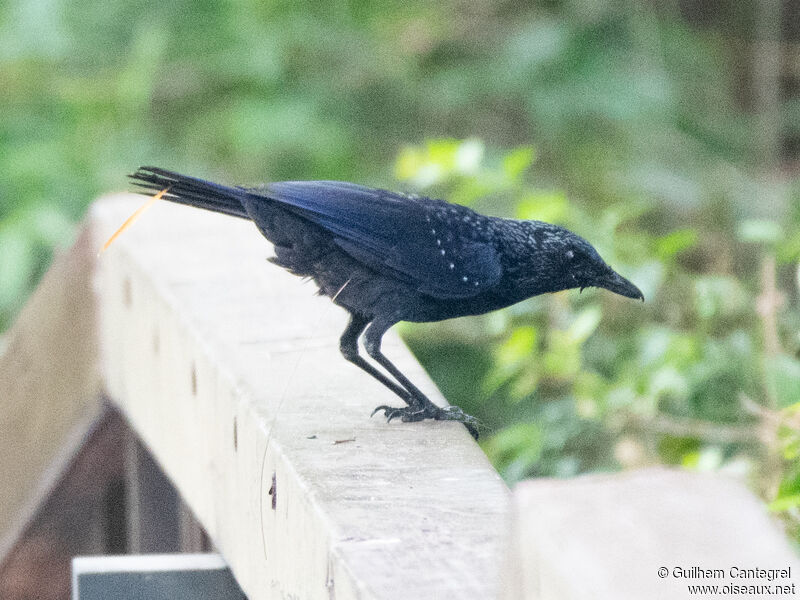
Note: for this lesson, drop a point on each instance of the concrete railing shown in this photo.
(228, 370)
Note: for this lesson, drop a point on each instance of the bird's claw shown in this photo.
(407, 414)
(413, 414)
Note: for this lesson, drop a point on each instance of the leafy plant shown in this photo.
(577, 382)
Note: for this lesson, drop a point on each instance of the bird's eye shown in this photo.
(570, 254)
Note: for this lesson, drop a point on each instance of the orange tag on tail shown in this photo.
(130, 220)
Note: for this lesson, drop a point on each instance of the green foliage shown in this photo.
(575, 382)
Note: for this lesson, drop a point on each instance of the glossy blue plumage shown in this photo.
(387, 257)
(407, 237)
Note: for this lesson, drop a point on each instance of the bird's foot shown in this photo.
(414, 413)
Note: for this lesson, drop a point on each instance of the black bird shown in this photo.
(387, 257)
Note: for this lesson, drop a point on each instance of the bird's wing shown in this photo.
(396, 235)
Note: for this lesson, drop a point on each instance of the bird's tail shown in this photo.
(192, 191)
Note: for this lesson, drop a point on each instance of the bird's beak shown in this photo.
(616, 283)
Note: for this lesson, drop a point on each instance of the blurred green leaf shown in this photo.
(16, 266)
(668, 381)
(761, 231)
(517, 448)
(519, 345)
(512, 357)
(705, 459)
(545, 206)
(785, 503)
(676, 242)
(783, 379)
(516, 162)
(788, 250)
(584, 324)
(49, 225)
(719, 297)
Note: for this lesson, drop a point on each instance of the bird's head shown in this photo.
(572, 262)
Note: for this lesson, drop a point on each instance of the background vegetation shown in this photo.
(668, 134)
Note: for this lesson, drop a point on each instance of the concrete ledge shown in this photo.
(228, 368)
(611, 536)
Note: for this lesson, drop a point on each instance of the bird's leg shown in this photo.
(348, 345)
(422, 408)
(372, 344)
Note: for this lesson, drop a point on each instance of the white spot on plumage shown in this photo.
(442, 251)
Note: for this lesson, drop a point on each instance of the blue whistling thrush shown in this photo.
(387, 257)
